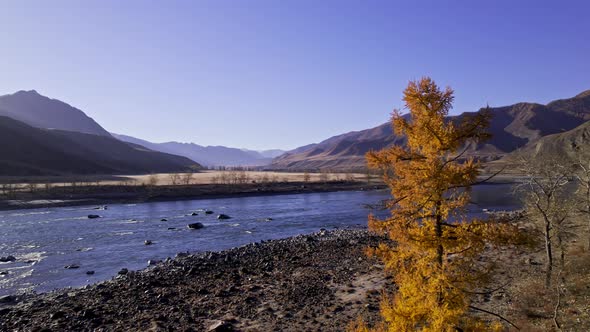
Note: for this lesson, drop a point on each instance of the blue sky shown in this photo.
(285, 73)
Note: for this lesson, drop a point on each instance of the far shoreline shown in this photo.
(125, 194)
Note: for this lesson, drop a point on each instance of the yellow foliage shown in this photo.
(434, 261)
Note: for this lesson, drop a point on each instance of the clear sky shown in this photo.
(285, 73)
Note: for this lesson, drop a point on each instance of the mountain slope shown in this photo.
(205, 155)
(568, 147)
(42, 112)
(34, 151)
(511, 126)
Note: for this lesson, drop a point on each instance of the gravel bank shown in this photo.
(317, 282)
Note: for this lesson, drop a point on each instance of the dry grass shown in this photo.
(207, 177)
(531, 305)
(26, 184)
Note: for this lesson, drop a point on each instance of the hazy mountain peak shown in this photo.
(40, 111)
(27, 92)
(206, 155)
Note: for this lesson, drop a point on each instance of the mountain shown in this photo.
(568, 147)
(207, 155)
(512, 127)
(35, 151)
(42, 112)
(273, 153)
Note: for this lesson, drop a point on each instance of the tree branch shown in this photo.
(494, 314)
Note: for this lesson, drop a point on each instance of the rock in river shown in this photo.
(152, 262)
(7, 259)
(223, 217)
(93, 216)
(7, 299)
(196, 225)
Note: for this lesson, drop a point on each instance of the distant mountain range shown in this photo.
(209, 155)
(47, 136)
(512, 128)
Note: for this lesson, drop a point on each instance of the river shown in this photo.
(44, 241)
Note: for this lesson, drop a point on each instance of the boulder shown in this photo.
(93, 216)
(89, 273)
(147, 242)
(7, 299)
(194, 214)
(57, 315)
(72, 266)
(123, 271)
(152, 262)
(196, 225)
(6, 259)
(163, 219)
(208, 212)
(223, 217)
(220, 326)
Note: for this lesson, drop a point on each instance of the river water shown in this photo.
(44, 241)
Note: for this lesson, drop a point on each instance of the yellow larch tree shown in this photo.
(434, 259)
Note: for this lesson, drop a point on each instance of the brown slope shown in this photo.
(568, 147)
(27, 150)
(511, 127)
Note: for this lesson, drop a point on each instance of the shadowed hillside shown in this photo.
(571, 146)
(33, 151)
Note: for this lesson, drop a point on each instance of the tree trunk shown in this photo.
(588, 212)
(439, 249)
(439, 233)
(548, 252)
(561, 251)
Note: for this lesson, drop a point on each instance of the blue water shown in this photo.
(46, 240)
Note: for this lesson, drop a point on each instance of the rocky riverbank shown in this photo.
(317, 282)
